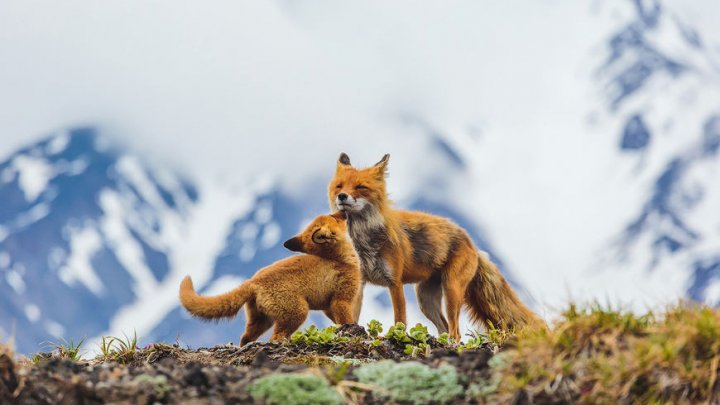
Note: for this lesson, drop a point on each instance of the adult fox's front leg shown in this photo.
(357, 303)
(397, 294)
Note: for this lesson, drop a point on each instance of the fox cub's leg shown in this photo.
(257, 324)
(343, 311)
(328, 312)
(290, 320)
(429, 297)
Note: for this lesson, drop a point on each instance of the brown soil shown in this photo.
(163, 373)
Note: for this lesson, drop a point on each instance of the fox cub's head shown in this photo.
(353, 189)
(324, 237)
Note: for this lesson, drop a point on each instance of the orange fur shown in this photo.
(326, 278)
(399, 247)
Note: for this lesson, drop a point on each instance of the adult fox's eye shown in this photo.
(339, 186)
(360, 187)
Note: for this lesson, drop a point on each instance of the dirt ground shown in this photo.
(163, 373)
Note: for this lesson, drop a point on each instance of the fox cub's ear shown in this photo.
(294, 244)
(321, 236)
(380, 168)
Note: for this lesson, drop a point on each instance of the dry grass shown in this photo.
(599, 355)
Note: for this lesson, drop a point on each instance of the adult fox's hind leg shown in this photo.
(429, 296)
(257, 324)
(456, 276)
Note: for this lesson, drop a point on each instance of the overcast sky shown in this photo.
(235, 86)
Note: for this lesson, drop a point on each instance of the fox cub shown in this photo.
(326, 278)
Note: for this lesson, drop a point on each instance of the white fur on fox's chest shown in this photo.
(368, 235)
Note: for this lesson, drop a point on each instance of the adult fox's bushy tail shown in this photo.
(220, 306)
(490, 299)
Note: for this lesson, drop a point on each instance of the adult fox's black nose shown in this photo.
(342, 196)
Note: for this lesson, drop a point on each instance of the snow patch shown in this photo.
(131, 168)
(58, 143)
(271, 235)
(712, 293)
(223, 284)
(263, 213)
(34, 174)
(84, 244)
(4, 259)
(16, 281)
(55, 329)
(126, 248)
(32, 312)
(247, 252)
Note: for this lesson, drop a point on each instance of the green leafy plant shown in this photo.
(475, 341)
(445, 339)
(411, 381)
(314, 336)
(419, 335)
(294, 389)
(398, 333)
(374, 328)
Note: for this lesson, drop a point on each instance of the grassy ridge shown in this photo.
(589, 355)
(598, 355)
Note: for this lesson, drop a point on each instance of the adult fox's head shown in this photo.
(324, 237)
(351, 190)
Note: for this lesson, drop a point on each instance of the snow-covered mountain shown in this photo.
(661, 85)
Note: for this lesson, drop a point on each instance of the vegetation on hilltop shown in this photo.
(589, 355)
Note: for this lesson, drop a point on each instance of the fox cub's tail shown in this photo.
(220, 306)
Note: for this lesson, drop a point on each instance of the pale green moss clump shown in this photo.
(411, 381)
(294, 389)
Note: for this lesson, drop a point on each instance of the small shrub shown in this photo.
(445, 339)
(398, 333)
(314, 336)
(411, 381)
(474, 342)
(159, 384)
(294, 389)
(374, 328)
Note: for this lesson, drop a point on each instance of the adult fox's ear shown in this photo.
(343, 162)
(380, 168)
(294, 244)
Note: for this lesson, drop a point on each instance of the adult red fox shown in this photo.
(398, 247)
(326, 278)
